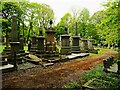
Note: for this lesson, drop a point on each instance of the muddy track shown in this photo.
(54, 77)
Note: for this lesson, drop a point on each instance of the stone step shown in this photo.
(73, 56)
(47, 64)
(3, 63)
(7, 68)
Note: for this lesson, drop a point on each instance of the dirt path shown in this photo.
(53, 77)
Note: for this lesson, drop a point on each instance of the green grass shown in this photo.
(101, 51)
(102, 80)
(25, 48)
(71, 86)
(1, 48)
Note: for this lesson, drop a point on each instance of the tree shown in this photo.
(8, 10)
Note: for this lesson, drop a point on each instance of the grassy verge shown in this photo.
(102, 80)
(1, 48)
(101, 51)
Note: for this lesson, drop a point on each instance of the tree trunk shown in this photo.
(29, 31)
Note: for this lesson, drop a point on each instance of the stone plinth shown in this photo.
(75, 44)
(90, 44)
(14, 49)
(90, 47)
(65, 45)
(40, 46)
(21, 45)
(50, 44)
(33, 47)
(84, 46)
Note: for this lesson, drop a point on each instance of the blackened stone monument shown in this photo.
(50, 41)
(14, 42)
(40, 46)
(21, 45)
(33, 47)
(75, 42)
(65, 43)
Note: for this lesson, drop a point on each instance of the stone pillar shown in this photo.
(84, 46)
(65, 43)
(14, 41)
(21, 44)
(33, 47)
(90, 44)
(50, 40)
(90, 47)
(40, 46)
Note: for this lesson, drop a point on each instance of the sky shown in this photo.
(60, 7)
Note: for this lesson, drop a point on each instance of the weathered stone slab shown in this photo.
(34, 59)
(77, 55)
(7, 68)
(26, 65)
(113, 68)
(47, 64)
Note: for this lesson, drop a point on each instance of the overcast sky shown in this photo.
(60, 7)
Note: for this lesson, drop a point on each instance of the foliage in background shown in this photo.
(30, 16)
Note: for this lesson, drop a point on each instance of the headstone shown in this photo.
(90, 47)
(14, 41)
(21, 44)
(75, 42)
(50, 41)
(90, 44)
(84, 46)
(65, 43)
(33, 46)
(40, 46)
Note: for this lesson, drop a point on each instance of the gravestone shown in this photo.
(84, 46)
(14, 42)
(33, 47)
(50, 41)
(65, 43)
(40, 47)
(90, 47)
(75, 42)
(21, 46)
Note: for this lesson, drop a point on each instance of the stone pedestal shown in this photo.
(40, 47)
(33, 47)
(75, 44)
(65, 43)
(50, 44)
(14, 49)
(90, 47)
(84, 46)
(21, 45)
